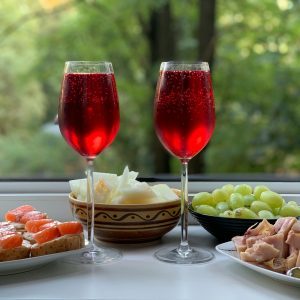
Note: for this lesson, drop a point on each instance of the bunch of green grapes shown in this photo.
(242, 201)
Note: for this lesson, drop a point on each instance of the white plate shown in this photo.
(229, 250)
(27, 264)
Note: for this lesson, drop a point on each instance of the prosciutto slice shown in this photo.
(284, 225)
(277, 241)
(239, 243)
(259, 252)
(276, 247)
(298, 260)
(276, 264)
(263, 228)
(293, 239)
(291, 260)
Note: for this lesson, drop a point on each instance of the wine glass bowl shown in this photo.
(184, 119)
(88, 118)
(89, 112)
(184, 108)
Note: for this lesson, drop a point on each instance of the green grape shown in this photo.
(222, 206)
(265, 214)
(276, 210)
(227, 214)
(244, 213)
(243, 189)
(206, 210)
(257, 206)
(290, 211)
(202, 198)
(228, 188)
(219, 195)
(236, 200)
(248, 199)
(258, 190)
(271, 198)
(241, 201)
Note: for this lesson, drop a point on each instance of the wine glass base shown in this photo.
(95, 256)
(194, 256)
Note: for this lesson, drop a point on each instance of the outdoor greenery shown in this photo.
(256, 75)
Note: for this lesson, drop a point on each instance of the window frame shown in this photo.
(62, 186)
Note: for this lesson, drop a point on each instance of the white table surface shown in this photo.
(139, 276)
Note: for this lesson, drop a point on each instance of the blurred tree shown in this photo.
(162, 47)
(207, 42)
(255, 75)
(207, 31)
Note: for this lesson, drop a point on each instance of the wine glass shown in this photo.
(88, 117)
(184, 117)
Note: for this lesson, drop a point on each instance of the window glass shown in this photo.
(252, 47)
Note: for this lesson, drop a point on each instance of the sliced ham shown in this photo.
(284, 225)
(296, 226)
(263, 228)
(250, 241)
(239, 243)
(278, 242)
(260, 252)
(292, 259)
(293, 239)
(276, 247)
(298, 260)
(276, 264)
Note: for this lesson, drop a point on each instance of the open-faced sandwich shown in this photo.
(21, 214)
(12, 244)
(57, 237)
(28, 233)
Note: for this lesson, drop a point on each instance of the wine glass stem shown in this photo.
(184, 248)
(90, 200)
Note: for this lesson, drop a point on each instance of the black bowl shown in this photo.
(224, 229)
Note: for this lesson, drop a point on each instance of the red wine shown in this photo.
(89, 111)
(184, 112)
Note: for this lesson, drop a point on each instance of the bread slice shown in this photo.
(28, 236)
(64, 243)
(15, 253)
(18, 226)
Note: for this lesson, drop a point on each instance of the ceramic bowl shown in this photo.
(224, 229)
(129, 223)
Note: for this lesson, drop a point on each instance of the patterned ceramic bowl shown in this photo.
(129, 223)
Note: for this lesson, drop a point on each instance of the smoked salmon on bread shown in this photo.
(20, 215)
(60, 244)
(12, 245)
(28, 232)
(20, 252)
(58, 237)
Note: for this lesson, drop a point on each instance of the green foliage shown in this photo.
(41, 153)
(256, 90)
(255, 80)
